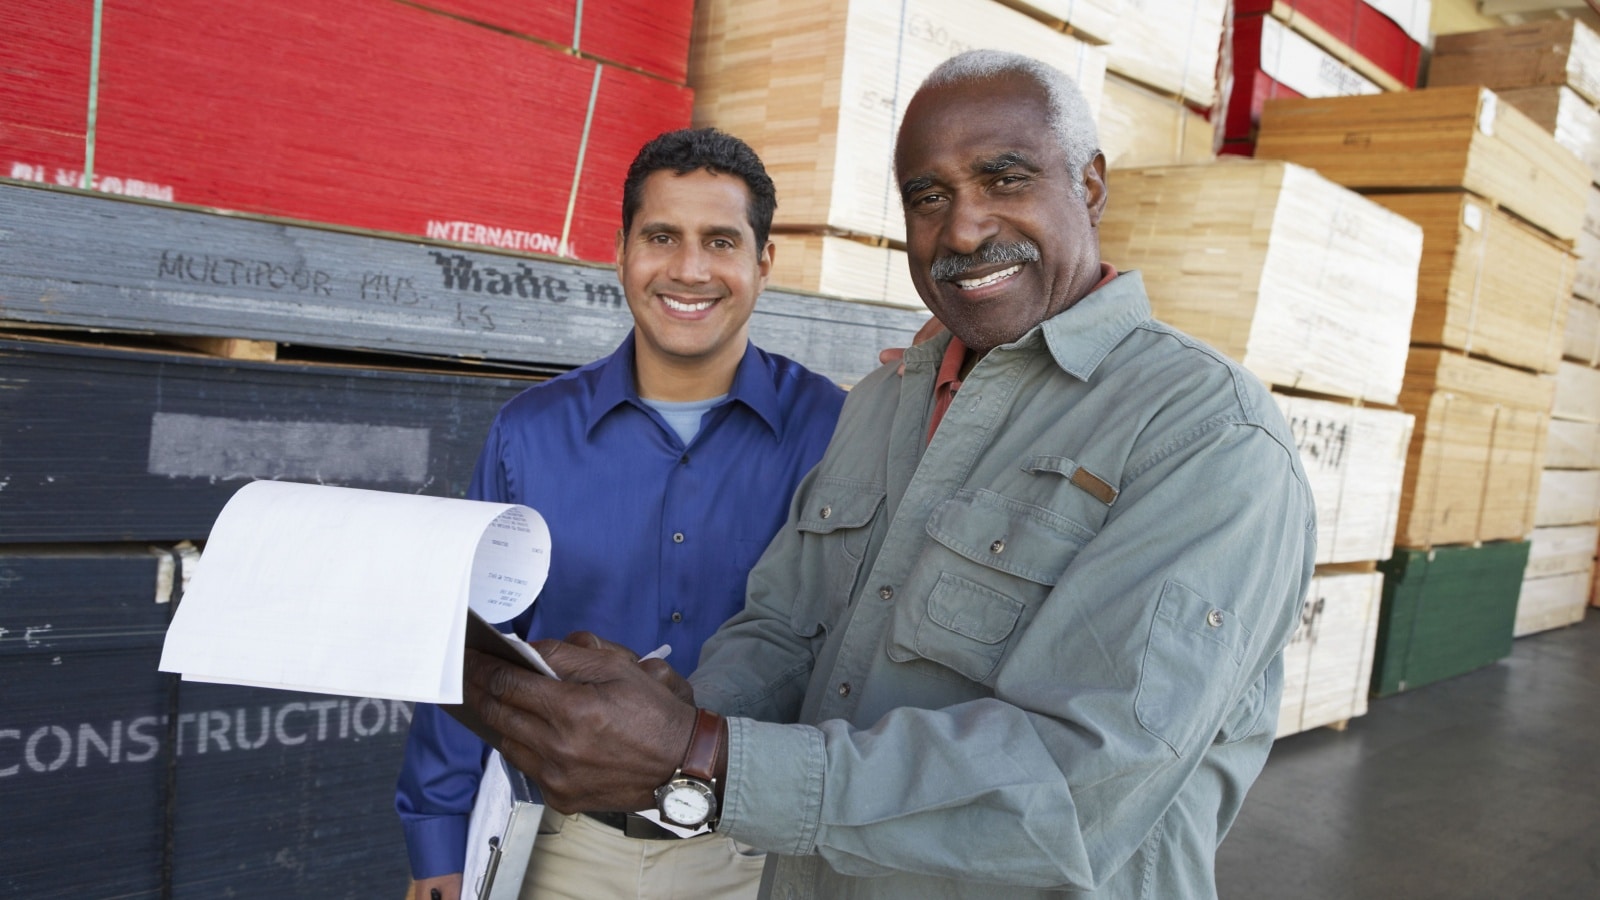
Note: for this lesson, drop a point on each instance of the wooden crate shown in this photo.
(1587, 282)
(1473, 468)
(1096, 21)
(1141, 128)
(1577, 394)
(1307, 284)
(1572, 445)
(1571, 119)
(1327, 666)
(843, 268)
(1171, 46)
(1568, 497)
(1355, 459)
(1554, 602)
(1554, 52)
(818, 89)
(1487, 284)
(1455, 137)
(1445, 612)
(1580, 340)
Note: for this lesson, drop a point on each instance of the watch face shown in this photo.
(686, 803)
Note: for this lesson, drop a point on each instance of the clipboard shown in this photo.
(500, 837)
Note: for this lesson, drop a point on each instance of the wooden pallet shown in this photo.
(1450, 138)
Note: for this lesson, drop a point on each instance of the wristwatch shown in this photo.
(689, 798)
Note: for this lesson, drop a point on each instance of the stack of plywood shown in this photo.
(1550, 71)
(1140, 127)
(1311, 287)
(1170, 46)
(818, 88)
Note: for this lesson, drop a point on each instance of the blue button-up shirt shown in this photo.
(651, 540)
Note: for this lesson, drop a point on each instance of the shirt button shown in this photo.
(825, 512)
(677, 537)
(844, 688)
(1214, 618)
(998, 547)
(677, 617)
(886, 592)
(684, 459)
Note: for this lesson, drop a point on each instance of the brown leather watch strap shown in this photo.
(700, 760)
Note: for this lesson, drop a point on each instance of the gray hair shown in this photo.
(1070, 118)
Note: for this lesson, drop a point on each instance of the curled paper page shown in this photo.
(355, 592)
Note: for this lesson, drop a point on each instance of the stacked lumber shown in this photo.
(1327, 666)
(1452, 138)
(818, 89)
(1307, 284)
(373, 114)
(1586, 284)
(1139, 127)
(1170, 46)
(1554, 52)
(1095, 21)
(1271, 59)
(1558, 586)
(1474, 464)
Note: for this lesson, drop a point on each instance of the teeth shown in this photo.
(969, 284)
(686, 307)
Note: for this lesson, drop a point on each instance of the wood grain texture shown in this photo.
(1488, 284)
(1171, 46)
(1572, 120)
(68, 258)
(1139, 127)
(1554, 52)
(1452, 137)
(1307, 284)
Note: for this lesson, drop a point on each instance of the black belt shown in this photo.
(634, 825)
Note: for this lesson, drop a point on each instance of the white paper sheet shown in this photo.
(354, 592)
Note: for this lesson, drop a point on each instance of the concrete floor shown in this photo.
(1486, 785)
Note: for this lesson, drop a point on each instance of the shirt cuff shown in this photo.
(436, 845)
(773, 796)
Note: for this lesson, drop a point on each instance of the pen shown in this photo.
(658, 653)
(433, 894)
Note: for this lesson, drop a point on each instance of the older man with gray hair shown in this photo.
(1021, 634)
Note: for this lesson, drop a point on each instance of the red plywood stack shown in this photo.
(365, 113)
(1316, 48)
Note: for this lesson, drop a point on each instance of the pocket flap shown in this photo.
(972, 610)
(834, 503)
(994, 531)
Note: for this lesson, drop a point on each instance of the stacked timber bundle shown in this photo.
(1140, 127)
(818, 89)
(1171, 47)
(1556, 590)
(1500, 202)
(374, 114)
(1316, 48)
(1311, 287)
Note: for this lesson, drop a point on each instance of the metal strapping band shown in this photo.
(577, 171)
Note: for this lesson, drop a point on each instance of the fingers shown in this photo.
(663, 673)
(890, 354)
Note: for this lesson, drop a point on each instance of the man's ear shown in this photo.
(1094, 187)
(764, 262)
(622, 244)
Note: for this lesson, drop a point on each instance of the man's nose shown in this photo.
(971, 225)
(690, 265)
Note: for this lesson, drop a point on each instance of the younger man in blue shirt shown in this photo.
(663, 471)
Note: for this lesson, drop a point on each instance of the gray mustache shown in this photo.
(946, 268)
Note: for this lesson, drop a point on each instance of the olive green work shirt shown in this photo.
(1038, 654)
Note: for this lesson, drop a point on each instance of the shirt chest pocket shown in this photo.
(835, 525)
(990, 564)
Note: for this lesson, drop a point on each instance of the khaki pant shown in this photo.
(577, 858)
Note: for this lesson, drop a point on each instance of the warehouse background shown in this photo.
(323, 241)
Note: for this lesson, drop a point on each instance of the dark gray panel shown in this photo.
(74, 259)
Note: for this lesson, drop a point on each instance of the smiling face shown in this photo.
(691, 269)
(998, 234)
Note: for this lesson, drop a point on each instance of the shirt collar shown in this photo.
(1078, 346)
(1081, 336)
(752, 386)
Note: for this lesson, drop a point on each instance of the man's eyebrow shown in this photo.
(1004, 161)
(659, 228)
(912, 185)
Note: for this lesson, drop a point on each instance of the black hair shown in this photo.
(691, 149)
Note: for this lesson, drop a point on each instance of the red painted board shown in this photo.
(1251, 86)
(44, 88)
(1363, 29)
